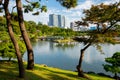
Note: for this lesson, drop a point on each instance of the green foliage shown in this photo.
(6, 46)
(35, 4)
(102, 13)
(16, 28)
(14, 16)
(105, 17)
(35, 30)
(114, 63)
(7, 49)
(1, 10)
(34, 7)
(44, 30)
(31, 27)
(4, 37)
(44, 8)
(112, 69)
(68, 3)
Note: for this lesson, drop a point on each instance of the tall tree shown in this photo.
(25, 35)
(29, 8)
(105, 17)
(11, 33)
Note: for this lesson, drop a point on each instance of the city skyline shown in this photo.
(57, 20)
(72, 14)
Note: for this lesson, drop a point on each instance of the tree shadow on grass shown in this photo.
(32, 76)
(9, 71)
(12, 74)
(60, 72)
(59, 75)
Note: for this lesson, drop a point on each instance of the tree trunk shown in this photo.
(30, 64)
(18, 54)
(80, 72)
(115, 76)
(9, 59)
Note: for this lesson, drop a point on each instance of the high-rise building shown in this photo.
(57, 20)
(53, 20)
(61, 20)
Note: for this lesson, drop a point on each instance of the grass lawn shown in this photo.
(9, 71)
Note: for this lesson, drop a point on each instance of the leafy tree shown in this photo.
(25, 35)
(14, 16)
(31, 27)
(113, 64)
(30, 8)
(100, 15)
(27, 8)
(12, 37)
(7, 49)
(68, 3)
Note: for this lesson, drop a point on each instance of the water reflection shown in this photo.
(65, 46)
(66, 57)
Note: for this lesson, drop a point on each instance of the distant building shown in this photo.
(93, 28)
(61, 21)
(53, 20)
(78, 28)
(57, 20)
(72, 26)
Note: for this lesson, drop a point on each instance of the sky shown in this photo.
(73, 14)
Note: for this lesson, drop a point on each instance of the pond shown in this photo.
(67, 56)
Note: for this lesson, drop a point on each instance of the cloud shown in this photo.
(110, 1)
(72, 14)
(85, 5)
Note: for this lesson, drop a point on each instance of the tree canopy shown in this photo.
(105, 17)
(113, 64)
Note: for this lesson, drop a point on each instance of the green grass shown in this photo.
(9, 71)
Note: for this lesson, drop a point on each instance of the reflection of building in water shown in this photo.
(51, 45)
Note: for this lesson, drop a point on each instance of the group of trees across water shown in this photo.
(14, 40)
(34, 31)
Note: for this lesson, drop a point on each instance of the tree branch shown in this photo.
(1, 2)
(13, 9)
(28, 1)
(87, 46)
(109, 27)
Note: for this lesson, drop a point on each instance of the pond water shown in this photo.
(66, 57)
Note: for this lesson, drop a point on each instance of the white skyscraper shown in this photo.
(61, 20)
(57, 20)
(53, 20)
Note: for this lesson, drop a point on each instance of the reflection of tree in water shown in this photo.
(64, 46)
